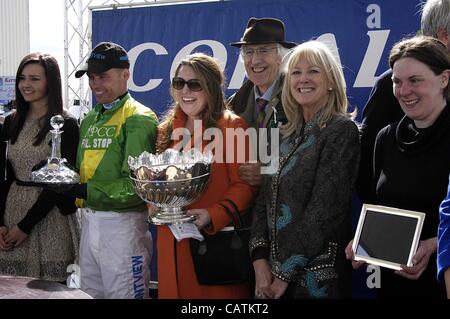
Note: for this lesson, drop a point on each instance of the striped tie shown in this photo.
(261, 108)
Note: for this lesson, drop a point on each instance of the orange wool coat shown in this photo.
(176, 274)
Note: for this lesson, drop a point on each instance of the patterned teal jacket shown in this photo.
(303, 212)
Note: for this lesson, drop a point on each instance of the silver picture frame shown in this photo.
(387, 236)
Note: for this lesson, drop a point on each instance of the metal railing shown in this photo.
(77, 43)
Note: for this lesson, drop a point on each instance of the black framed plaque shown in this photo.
(387, 236)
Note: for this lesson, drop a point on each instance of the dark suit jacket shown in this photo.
(243, 104)
(381, 109)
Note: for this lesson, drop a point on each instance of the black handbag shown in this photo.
(224, 258)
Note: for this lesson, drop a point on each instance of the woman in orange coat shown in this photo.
(197, 91)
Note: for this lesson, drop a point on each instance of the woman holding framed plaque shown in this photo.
(412, 158)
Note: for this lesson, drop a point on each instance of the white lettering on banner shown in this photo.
(133, 54)
(218, 51)
(374, 19)
(366, 76)
(330, 41)
(377, 41)
(238, 76)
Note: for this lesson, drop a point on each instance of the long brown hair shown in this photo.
(54, 96)
(212, 81)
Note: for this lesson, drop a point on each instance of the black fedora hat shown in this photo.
(264, 30)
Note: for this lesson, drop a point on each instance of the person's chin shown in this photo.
(101, 100)
(190, 113)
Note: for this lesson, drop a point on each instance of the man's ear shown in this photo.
(126, 74)
(445, 75)
(443, 36)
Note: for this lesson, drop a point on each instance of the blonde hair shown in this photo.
(318, 54)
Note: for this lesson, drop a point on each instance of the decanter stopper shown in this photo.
(57, 122)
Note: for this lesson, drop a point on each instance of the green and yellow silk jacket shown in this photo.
(107, 139)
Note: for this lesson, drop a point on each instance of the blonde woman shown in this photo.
(303, 211)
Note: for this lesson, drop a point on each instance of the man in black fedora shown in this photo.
(258, 101)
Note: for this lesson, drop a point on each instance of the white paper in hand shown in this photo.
(185, 230)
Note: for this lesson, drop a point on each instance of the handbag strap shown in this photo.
(233, 213)
(229, 213)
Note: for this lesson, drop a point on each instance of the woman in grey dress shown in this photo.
(302, 214)
(38, 228)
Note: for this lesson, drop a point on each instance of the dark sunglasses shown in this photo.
(193, 85)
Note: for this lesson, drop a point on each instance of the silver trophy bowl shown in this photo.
(170, 181)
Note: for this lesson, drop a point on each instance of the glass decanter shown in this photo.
(55, 171)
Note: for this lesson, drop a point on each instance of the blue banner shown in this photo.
(157, 37)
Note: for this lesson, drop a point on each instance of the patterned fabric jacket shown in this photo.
(303, 214)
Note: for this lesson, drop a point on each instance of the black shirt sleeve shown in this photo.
(260, 253)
